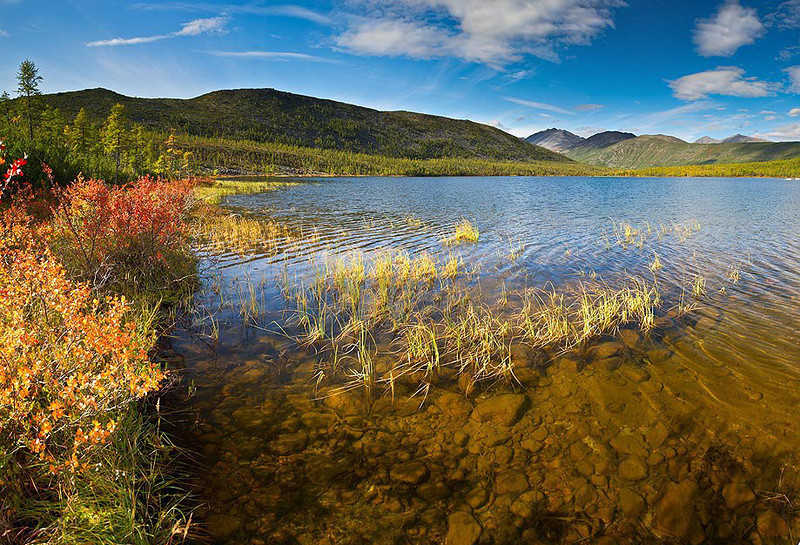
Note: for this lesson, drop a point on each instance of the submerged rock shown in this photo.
(675, 513)
(737, 494)
(413, 472)
(525, 506)
(462, 529)
(771, 525)
(631, 503)
(222, 525)
(510, 481)
(323, 470)
(477, 498)
(607, 349)
(453, 405)
(502, 410)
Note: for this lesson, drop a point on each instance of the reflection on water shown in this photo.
(685, 434)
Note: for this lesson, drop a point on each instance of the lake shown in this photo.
(614, 360)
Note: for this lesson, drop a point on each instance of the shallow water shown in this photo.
(687, 433)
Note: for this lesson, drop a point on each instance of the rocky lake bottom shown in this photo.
(621, 442)
(685, 433)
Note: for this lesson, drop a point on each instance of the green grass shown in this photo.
(788, 168)
(129, 494)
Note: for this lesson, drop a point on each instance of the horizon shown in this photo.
(711, 68)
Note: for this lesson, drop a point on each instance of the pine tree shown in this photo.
(79, 135)
(28, 80)
(5, 106)
(115, 137)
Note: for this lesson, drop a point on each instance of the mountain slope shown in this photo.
(557, 140)
(741, 139)
(657, 151)
(268, 115)
(707, 140)
(597, 142)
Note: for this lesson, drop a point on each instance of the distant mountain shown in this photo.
(742, 139)
(735, 139)
(666, 138)
(557, 140)
(707, 140)
(658, 150)
(268, 115)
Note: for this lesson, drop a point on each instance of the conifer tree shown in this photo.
(115, 137)
(28, 80)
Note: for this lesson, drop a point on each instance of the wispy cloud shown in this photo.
(589, 107)
(494, 33)
(271, 56)
(254, 8)
(786, 16)
(794, 112)
(731, 27)
(197, 27)
(724, 80)
(794, 78)
(3, 33)
(538, 105)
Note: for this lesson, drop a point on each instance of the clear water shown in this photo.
(689, 433)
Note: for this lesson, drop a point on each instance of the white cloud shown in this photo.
(538, 105)
(197, 27)
(493, 32)
(794, 112)
(589, 107)
(770, 118)
(724, 80)
(270, 55)
(210, 25)
(785, 132)
(794, 78)
(731, 27)
(3, 34)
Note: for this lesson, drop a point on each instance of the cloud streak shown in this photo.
(197, 27)
(280, 10)
(730, 28)
(280, 56)
(724, 80)
(538, 105)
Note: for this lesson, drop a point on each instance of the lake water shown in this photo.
(685, 431)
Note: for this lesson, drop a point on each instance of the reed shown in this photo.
(464, 233)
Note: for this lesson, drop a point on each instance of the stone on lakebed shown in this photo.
(503, 410)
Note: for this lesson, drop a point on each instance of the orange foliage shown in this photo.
(67, 359)
(134, 227)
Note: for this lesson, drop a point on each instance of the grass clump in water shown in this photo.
(464, 233)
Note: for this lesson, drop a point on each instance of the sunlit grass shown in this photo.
(213, 192)
(464, 233)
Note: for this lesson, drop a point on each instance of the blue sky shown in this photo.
(682, 67)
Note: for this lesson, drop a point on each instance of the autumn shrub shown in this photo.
(131, 238)
(80, 461)
(67, 358)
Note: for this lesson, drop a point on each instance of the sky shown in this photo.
(688, 68)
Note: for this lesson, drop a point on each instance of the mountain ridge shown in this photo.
(270, 115)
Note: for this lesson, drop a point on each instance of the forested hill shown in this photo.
(267, 115)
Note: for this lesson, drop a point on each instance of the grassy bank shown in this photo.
(85, 292)
(788, 168)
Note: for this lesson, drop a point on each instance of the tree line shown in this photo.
(113, 149)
